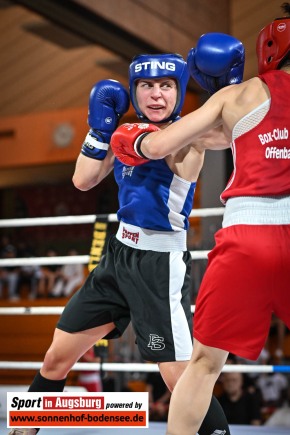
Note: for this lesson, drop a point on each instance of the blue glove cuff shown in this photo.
(95, 145)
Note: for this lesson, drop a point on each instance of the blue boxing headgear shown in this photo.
(156, 66)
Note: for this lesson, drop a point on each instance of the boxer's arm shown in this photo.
(214, 139)
(135, 144)
(216, 63)
(108, 101)
(189, 128)
(89, 172)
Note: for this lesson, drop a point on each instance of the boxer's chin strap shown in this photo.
(171, 118)
(137, 145)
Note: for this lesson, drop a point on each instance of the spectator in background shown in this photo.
(9, 275)
(159, 397)
(4, 242)
(277, 335)
(274, 392)
(281, 417)
(29, 276)
(70, 277)
(240, 405)
(90, 379)
(48, 276)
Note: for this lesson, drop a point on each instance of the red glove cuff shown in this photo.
(126, 141)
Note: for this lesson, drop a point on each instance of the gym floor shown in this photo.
(154, 429)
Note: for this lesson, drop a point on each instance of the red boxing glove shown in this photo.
(126, 140)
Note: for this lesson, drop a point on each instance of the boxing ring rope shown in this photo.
(82, 219)
(84, 259)
(57, 310)
(90, 218)
(143, 367)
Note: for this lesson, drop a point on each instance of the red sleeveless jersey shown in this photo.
(262, 155)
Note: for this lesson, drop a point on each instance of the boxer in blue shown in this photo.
(144, 276)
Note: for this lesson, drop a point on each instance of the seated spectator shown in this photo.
(9, 275)
(5, 240)
(277, 335)
(274, 391)
(90, 380)
(280, 417)
(70, 277)
(159, 397)
(48, 276)
(29, 276)
(240, 405)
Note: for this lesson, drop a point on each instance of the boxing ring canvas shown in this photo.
(154, 429)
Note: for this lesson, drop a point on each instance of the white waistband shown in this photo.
(150, 240)
(254, 210)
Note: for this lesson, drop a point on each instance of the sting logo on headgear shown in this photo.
(156, 66)
(146, 66)
(273, 44)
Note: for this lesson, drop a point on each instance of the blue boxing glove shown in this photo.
(109, 100)
(217, 61)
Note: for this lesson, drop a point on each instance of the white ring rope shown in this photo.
(90, 218)
(57, 310)
(70, 259)
(82, 219)
(143, 367)
(56, 220)
(67, 259)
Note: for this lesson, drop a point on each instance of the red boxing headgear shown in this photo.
(273, 44)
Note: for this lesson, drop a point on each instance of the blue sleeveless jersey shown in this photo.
(151, 196)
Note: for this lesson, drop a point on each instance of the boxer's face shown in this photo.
(156, 98)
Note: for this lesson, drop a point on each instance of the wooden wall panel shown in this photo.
(26, 338)
(169, 25)
(38, 75)
(31, 141)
